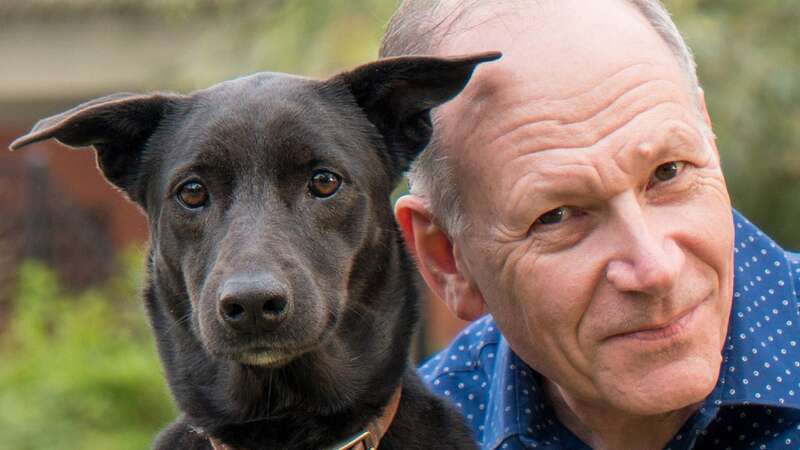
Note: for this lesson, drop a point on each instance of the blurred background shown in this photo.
(78, 368)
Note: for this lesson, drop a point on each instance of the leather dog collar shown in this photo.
(367, 439)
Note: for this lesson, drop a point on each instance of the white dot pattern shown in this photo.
(755, 405)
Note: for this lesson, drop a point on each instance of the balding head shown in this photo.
(444, 27)
(422, 26)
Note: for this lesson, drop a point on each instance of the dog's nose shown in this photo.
(254, 303)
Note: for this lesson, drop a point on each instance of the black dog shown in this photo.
(279, 290)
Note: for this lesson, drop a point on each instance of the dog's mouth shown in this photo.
(276, 356)
(270, 350)
(272, 357)
(266, 357)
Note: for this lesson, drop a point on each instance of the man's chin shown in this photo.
(670, 388)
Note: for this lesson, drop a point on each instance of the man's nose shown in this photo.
(254, 303)
(649, 260)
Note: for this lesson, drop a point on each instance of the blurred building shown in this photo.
(55, 206)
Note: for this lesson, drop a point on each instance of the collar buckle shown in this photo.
(364, 440)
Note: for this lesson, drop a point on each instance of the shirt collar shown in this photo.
(761, 360)
(518, 407)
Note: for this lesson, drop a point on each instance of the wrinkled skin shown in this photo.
(600, 231)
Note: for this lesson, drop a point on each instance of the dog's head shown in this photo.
(263, 192)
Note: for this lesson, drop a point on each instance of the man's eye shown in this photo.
(553, 216)
(667, 171)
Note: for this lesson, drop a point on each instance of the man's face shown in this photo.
(601, 232)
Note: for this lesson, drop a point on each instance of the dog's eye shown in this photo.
(324, 183)
(193, 194)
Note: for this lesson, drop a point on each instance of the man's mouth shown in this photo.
(657, 331)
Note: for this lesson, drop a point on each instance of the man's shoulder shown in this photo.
(464, 372)
(471, 351)
(753, 248)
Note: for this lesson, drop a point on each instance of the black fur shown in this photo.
(336, 264)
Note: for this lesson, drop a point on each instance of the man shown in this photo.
(573, 191)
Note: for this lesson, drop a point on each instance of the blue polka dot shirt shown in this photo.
(755, 405)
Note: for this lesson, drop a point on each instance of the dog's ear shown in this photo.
(117, 126)
(397, 95)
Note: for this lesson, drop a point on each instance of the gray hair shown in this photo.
(419, 26)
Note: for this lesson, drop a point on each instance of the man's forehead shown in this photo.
(554, 53)
(551, 39)
(573, 73)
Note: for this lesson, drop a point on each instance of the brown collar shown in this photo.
(367, 439)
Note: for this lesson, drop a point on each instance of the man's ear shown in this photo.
(438, 259)
(117, 126)
(397, 95)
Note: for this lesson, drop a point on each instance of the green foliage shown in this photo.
(308, 37)
(748, 56)
(80, 371)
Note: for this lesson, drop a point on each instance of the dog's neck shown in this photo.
(368, 438)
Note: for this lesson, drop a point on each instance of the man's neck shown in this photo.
(605, 429)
